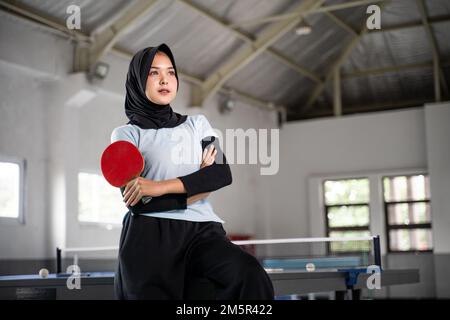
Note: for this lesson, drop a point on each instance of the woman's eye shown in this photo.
(172, 73)
(152, 73)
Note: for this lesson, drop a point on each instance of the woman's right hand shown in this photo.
(209, 155)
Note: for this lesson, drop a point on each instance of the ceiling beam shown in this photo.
(379, 71)
(438, 74)
(336, 65)
(399, 68)
(329, 9)
(341, 23)
(413, 24)
(249, 39)
(247, 54)
(337, 88)
(31, 14)
(105, 40)
(351, 109)
(323, 9)
(337, 98)
(387, 105)
(22, 12)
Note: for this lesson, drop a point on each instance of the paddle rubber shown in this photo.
(121, 162)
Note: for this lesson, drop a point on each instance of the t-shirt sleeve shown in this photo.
(124, 133)
(204, 127)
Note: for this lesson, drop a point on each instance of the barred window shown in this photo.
(347, 212)
(408, 213)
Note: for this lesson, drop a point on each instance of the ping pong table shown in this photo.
(100, 285)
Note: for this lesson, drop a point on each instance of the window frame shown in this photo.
(326, 206)
(315, 221)
(22, 163)
(388, 227)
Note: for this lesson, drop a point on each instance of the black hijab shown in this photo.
(139, 109)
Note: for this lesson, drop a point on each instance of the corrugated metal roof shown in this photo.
(326, 38)
(389, 87)
(201, 45)
(235, 11)
(93, 12)
(441, 33)
(198, 44)
(354, 17)
(400, 11)
(270, 80)
(385, 49)
(437, 7)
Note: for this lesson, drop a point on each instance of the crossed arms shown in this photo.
(175, 194)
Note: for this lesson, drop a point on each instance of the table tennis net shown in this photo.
(315, 256)
(304, 254)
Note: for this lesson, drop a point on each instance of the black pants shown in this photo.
(158, 256)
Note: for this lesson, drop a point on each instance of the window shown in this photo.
(347, 212)
(98, 201)
(408, 213)
(12, 188)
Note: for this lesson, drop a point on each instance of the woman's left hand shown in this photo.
(140, 187)
(208, 157)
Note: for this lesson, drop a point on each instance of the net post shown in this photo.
(58, 260)
(377, 251)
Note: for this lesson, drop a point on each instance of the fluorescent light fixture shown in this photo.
(303, 29)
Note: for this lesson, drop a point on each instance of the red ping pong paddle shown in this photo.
(121, 162)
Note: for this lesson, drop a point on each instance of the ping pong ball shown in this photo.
(43, 273)
(310, 267)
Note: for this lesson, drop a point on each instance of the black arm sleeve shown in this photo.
(210, 178)
(170, 201)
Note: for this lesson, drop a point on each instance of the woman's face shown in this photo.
(161, 87)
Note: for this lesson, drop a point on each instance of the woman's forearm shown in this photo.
(212, 177)
(172, 186)
(205, 180)
(176, 186)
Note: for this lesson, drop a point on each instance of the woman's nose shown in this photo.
(163, 81)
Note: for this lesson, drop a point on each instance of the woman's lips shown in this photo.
(163, 92)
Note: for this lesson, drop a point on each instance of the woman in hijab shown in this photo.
(175, 237)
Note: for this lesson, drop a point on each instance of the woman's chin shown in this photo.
(161, 101)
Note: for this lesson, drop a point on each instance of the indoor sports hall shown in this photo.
(224, 149)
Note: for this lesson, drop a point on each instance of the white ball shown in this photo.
(310, 267)
(43, 273)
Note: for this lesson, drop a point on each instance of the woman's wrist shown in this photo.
(171, 186)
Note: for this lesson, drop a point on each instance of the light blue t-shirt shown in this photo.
(170, 153)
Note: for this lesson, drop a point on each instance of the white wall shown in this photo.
(437, 123)
(23, 135)
(38, 123)
(369, 142)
